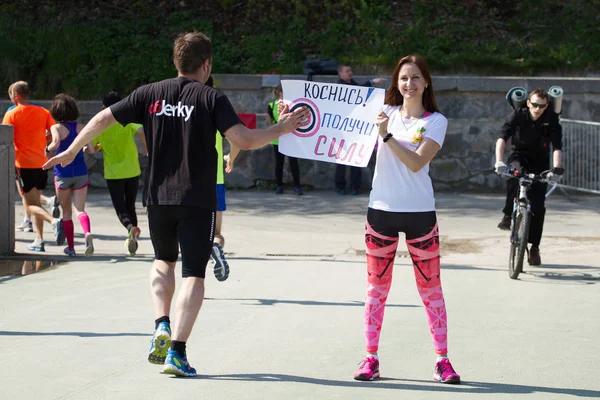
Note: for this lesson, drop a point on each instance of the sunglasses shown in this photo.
(537, 105)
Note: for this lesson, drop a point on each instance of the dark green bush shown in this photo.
(90, 47)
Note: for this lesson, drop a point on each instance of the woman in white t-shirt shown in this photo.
(411, 132)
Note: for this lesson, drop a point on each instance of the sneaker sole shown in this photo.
(89, 246)
(36, 249)
(362, 377)
(455, 380)
(158, 355)
(221, 268)
(173, 370)
(132, 244)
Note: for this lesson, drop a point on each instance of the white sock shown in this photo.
(440, 358)
(26, 220)
(375, 356)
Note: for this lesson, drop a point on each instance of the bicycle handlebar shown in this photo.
(515, 173)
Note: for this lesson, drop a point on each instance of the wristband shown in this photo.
(387, 137)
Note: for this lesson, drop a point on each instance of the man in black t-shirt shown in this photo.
(532, 130)
(180, 117)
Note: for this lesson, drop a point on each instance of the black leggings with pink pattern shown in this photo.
(422, 239)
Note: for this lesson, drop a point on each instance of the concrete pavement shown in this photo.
(288, 321)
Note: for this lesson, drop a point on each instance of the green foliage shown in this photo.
(119, 45)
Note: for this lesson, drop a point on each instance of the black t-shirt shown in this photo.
(181, 118)
(532, 138)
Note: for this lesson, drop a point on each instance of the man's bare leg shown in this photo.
(162, 287)
(38, 214)
(189, 302)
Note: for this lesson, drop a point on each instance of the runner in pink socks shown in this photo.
(71, 181)
(411, 132)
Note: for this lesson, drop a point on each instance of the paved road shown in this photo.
(288, 322)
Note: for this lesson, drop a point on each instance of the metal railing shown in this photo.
(581, 157)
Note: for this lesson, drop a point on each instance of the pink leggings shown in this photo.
(422, 240)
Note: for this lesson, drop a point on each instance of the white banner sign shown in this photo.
(341, 127)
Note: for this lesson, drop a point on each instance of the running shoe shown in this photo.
(298, 190)
(26, 226)
(443, 372)
(59, 232)
(132, 240)
(279, 190)
(221, 268)
(55, 209)
(37, 245)
(178, 366)
(368, 369)
(160, 343)
(89, 245)
(70, 252)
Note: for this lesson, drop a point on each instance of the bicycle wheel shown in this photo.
(518, 243)
(514, 245)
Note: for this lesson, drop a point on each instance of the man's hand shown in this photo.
(290, 121)
(65, 158)
(500, 168)
(378, 81)
(555, 174)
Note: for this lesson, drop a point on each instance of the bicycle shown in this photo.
(521, 218)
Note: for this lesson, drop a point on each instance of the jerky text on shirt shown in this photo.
(159, 107)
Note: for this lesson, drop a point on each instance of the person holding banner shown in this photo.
(346, 78)
(181, 117)
(411, 132)
(273, 114)
(532, 129)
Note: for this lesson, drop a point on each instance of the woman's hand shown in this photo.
(382, 123)
(282, 108)
(229, 165)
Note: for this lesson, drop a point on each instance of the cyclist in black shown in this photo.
(532, 129)
(181, 117)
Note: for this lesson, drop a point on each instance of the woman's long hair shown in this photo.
(393, 97)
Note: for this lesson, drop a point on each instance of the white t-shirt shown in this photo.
(395, 187)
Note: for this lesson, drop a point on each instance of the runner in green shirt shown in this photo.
(122, 170)
(279, 157)
(221, 267)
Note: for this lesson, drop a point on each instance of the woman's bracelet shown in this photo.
(387, 137)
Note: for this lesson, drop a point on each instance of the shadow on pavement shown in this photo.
(411, 384)
(79, 334)
(272, 302)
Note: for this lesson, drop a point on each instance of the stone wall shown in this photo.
(7, 195)
(475, 108)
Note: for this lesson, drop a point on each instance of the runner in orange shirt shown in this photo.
(26, 225)
(30, 125)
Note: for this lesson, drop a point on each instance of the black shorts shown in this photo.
(190, 228)
(30, 178)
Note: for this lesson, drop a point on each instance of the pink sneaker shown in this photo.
(368, 369)
(444, 372)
